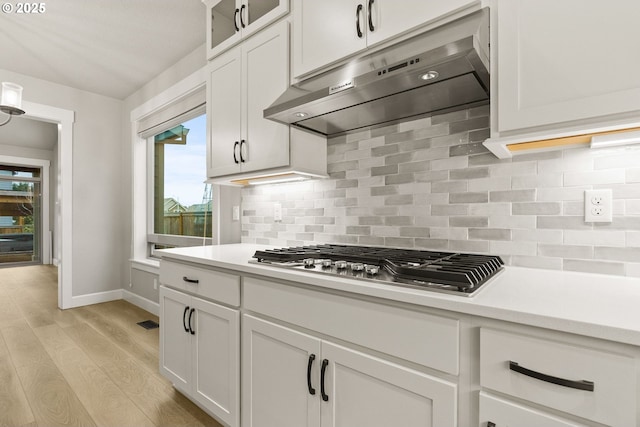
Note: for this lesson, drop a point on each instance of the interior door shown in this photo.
(364, 391)
(175, 339)
(216, 370)
(275, 363)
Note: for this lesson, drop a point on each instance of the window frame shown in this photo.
(172, 240)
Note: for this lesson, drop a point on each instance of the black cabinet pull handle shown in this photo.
(235, 19)
(190, 327)
(325, 363)
(184, 318)
(358, 30)
(242, 142)
(312, 390)
(242, 8)
(371, 27)
(235, 147)
(186, 279)
(577, 384)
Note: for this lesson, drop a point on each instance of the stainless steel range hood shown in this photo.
(445, 69)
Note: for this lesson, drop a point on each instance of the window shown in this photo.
(181, 201)
(20, 214)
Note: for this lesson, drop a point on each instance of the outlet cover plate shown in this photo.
(598, 205)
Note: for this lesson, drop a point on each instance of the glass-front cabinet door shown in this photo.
(230, 21)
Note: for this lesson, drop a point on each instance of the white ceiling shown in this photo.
(110, 47)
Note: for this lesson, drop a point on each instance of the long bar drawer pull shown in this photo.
(579, 384)
(186, 279)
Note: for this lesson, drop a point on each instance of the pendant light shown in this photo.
(11, 101)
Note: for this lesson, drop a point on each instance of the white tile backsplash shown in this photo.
(429, 184)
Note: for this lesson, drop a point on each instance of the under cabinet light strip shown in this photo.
(574, 140)
(613, 140)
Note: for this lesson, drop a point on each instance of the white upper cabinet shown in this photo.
(564, 65)
(329, 30)
(242, 83)
(229, 21)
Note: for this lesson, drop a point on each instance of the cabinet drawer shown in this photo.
(503, 413)
(418, 337)
(210, 284)
(560, 376)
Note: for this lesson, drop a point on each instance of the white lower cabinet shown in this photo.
(592, 384)
(199, 352)
(295, 379)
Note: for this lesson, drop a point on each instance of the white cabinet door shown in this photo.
(215, 360)
(224, 108)
(275, 361)
(364, 391)
(561, 61)
(265, 73)
(502, 413)
(231, 21)
(324, 32)
(175, 339)
(388, 18)
(243, 82)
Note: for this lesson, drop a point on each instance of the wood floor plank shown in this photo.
(128, 317)
(14, 407)
(52, 400)
(86, 366)
(121, 338)
(24, 346)
(104, 401)
(96, 346)
(151, 394)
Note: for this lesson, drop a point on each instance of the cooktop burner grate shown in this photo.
(460, 272)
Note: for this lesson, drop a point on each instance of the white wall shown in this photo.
(98, 214)
(188, 65)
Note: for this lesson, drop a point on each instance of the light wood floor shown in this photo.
(88, 366)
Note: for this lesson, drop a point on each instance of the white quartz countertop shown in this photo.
(595, 305)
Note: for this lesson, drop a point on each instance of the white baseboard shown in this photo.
(143, 303)
(96, 298)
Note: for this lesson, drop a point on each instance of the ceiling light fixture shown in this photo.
(300, 115)
(11, 101)
(615, 139)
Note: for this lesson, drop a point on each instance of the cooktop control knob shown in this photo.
(309, 263)
(341, 265)
(371, 269)
(357, 266)
(326, 263)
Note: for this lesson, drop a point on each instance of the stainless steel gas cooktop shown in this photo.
(450, 272)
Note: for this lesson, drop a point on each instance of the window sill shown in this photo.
(148, 265)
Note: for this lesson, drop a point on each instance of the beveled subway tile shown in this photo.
(510, 221)
(449, 187)
(469, 245)
(501, 183)
(469, 221)
(536, 181)
(563, 222)
(469, 173)
(595, 237)
(414, 232)
(617, 254)
(385, 150)
(489, 234)
(542, 236)
(395, 159)
(513, 248)
(469, 124)
(632, 175)
(537, 262)
(402, 178)
(591, 266)
(536, 208)
(609, 176)
(467, 149)
(566, 251)
(480, 197)
(512, 196)
(451, 163)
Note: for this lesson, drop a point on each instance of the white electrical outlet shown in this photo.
(236, 213)
(598, 206)
(277, 212)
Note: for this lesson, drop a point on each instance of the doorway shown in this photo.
(21, 215)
